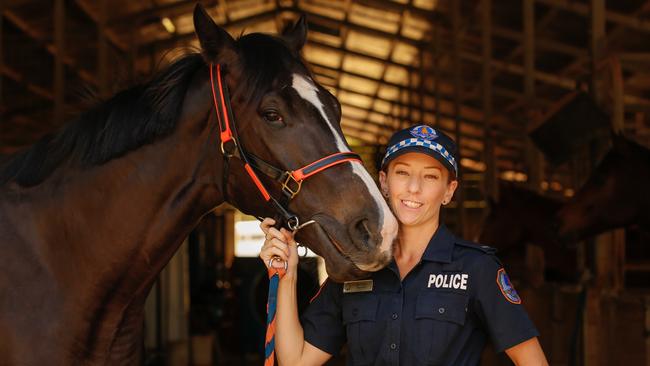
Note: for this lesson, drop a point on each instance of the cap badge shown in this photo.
(424, 132)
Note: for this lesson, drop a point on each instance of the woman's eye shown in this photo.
(273, 117)
(431, 176)
(401, 172)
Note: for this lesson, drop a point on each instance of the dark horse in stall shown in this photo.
(522, 217)
(614, 196)
(90, 215)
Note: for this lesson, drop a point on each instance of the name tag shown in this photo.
(357, 286)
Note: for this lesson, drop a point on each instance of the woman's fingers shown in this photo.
(266, 224)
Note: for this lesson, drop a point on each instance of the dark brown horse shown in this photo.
(525, 217)
(614, 196)
(90, 215)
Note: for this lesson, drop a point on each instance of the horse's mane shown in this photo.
(131, 118)
(146, 112)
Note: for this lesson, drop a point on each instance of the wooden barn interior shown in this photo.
(535, 92)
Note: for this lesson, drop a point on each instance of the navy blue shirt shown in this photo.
(441, 313)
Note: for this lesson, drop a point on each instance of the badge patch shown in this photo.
(357, 286)
(455, 281)
(425, 132)
(506, 287)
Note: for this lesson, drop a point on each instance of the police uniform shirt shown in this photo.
(442, 313)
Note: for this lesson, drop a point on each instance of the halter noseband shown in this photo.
(290, 181)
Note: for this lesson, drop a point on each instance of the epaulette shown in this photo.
(483, 248)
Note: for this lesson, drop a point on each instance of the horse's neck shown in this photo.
(118, 225)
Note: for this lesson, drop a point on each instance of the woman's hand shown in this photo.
(279, 243)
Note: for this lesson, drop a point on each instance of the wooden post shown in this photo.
(460, 197)
(647, 330)
(533, 156)
(2, 106)
(593, 324)
(491, 185)
(102, 49)
(59, 67)
(436, 72)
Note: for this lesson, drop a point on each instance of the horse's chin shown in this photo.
(339, 266)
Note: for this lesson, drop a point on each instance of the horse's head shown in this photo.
(498, 229)
(288, 120)
(609, 198)
(521, 216)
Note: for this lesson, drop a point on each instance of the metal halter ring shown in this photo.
(274, 258)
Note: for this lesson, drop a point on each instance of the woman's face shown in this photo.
(417, 184)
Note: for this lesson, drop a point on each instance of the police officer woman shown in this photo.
(436, 303)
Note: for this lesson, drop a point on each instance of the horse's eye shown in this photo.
(273, 117)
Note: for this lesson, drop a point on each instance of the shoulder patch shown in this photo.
(506, 287)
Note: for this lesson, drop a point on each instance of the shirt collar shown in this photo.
(441, 246)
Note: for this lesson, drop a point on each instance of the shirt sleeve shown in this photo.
(322, 322)
(499, 306)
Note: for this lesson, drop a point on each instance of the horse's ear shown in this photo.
(215, 41)
(296, 34)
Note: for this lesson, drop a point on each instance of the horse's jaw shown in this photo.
(326, 238)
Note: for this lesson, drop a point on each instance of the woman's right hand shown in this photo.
(281, 244)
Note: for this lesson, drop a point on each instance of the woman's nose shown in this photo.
(414, 184)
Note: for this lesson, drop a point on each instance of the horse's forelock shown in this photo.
(263, 58)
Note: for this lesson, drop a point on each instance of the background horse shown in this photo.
(524, 217)
(614, 196)
(89, 216)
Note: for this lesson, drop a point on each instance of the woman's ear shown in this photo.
(451, 188)
(382, 183)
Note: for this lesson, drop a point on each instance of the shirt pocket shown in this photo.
(360, 321)
(439, 318)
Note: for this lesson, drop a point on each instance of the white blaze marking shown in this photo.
(309, 92)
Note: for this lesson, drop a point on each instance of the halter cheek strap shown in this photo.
(290, 181)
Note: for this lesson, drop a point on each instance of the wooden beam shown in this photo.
(455, 56)
(35, 89)
(184, 37)
(110, 34)
(44, 41)
(469, 114)
(583, 9)
(533, 157)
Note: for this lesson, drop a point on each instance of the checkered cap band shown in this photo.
(439, 149)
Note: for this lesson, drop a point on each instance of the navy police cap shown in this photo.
(423, 139)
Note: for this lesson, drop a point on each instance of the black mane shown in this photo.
(130, 119)
(146, 112)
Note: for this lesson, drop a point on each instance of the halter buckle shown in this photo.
(291, 186)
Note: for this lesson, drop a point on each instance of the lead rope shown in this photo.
(275, 274)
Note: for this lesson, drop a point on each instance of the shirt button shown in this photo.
(394, 316)
(441, 310)
(393, 346)
(355, 312)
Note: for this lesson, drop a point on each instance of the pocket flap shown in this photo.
(359, 308)
(445, 306)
